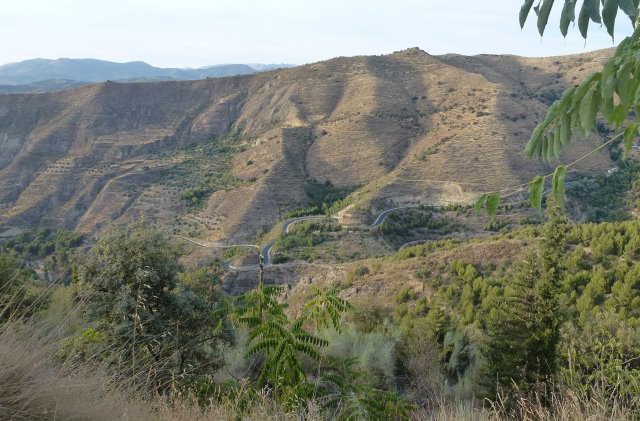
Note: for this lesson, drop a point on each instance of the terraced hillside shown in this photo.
(220, 158)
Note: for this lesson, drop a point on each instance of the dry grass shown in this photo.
(566, 406)
(35, 387)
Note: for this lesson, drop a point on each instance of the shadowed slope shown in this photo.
(407, 127)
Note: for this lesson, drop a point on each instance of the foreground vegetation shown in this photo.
(553, 336)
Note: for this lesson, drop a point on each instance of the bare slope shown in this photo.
(403, 127)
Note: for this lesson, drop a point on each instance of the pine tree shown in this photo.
(546, 332)
(509, 327)
(524, 328)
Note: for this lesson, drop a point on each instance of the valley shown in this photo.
(308, 239)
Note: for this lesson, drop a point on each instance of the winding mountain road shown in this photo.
(265, 252)
(383, 215)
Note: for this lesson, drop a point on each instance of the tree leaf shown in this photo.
(524, 12)
(619, 115)
(493, 200)
(535, 193)
(557, 142)
(630, 134)
(545, 148)
(568, 15)
(609, 12)
(629, 8)
(584, 87)
(565, 132)
(480, 203)
(606, 108)
(557, 184)
(576, 127)
(534, 142)
(551, 147)
(593, 7)
(623, 76)
(588, 108)
(608, 80)
(583, 19)
(565, 102)
(543, 15)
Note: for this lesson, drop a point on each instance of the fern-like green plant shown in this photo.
(280, 344)
(325, 308)
(351, 399)
(276, 340)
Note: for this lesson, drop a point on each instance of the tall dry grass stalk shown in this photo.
(33, 386)
(563, 406)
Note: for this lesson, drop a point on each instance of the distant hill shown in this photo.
(41, 86)
(402, 128)
(34, 73)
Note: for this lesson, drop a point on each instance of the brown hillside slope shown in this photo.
(404, 127)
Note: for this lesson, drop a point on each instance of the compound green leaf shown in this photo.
(565, 130)
(609, 12)
(557, 184)
(584, 87)
(630, 134)
(588, 108)
(535, 193)
(623, 77)
(619, 115)
(629, 8)
(557, 142)
(608, 80)
(480, 203)
(545, 148)
(493, 200)
(583, 20)
(533, 146)
(565, 102)
(551, 148)
(567, 16)
(524, 12)
(543, 15)
(593, 7)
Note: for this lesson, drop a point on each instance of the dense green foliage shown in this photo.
(16, 299)
(148, 312)
(557, 319)
(305, 235)
(324, 199)
(607, 197)
(217, 154)
(400, 224)
(44, 244)
(288, 352)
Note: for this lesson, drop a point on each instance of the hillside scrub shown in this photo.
(558, 331)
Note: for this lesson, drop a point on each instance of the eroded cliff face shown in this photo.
(402, 127)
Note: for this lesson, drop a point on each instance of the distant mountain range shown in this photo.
(48, 75)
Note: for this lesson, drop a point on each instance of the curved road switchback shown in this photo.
(383, 215)
(284, 230)
(266, 250)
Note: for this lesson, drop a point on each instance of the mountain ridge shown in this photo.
(94, 71)
(407, 127)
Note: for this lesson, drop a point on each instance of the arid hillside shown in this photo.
(405, 127)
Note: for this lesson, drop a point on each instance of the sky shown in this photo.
(195, 33)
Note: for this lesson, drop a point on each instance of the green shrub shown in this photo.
(404, 295)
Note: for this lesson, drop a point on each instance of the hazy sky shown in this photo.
(193, 33)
